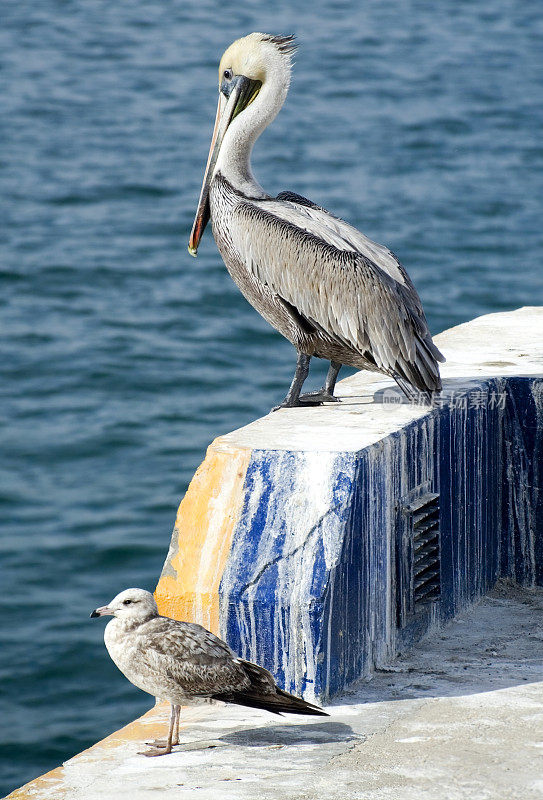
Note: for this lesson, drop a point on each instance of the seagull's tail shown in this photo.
(279, 703)
(265, 694)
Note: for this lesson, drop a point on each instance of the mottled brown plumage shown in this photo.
(184, 663)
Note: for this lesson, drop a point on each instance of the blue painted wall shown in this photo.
(522, 522)
(309, 590)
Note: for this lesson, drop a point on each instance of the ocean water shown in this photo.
(122, 357)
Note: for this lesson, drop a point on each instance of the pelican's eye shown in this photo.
(126, 602)
(228, 74)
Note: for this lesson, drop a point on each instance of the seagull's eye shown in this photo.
(228, 74)
(126, 602)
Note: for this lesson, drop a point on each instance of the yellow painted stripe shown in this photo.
(189, 586)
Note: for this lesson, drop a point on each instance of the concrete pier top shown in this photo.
(300, 541)
(503, 344)
(459, 717)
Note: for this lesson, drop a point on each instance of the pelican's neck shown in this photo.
(234, 161)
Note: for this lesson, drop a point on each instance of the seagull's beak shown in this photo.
(101, 612)
(233, 98)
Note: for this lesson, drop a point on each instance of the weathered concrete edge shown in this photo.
(51, 784)
(273, 474)
(209, 512)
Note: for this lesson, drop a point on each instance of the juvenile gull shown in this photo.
(185, 664)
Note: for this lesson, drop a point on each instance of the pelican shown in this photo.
(322, 284)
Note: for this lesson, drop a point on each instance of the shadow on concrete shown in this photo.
(497, 644)
(308, 733)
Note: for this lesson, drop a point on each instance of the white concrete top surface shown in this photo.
(460, 717)
(508, 343)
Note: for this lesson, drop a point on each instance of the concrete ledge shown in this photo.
(459, 717)
(289, 540)
(287, 543)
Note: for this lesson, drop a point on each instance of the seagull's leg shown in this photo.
(175, 739)
(302, 371)
(176, 734)
(161, 748)
(326, 394)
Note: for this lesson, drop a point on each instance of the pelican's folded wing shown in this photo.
(323, 221)
(341, 281)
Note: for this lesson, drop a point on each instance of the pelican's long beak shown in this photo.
(101, 612)
(232, 100)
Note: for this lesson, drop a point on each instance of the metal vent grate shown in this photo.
(418, 556)
(426, 567)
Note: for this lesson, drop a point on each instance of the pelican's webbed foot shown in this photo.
(317, 398)
(291, 404)
(324, 395)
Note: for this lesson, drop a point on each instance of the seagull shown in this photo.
(331, 291)
(185, 664)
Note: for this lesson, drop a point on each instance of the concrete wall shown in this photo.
(295, 542)
(295, 534)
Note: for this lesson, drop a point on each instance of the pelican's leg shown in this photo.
(331, 378)
(161, 748)
(326, 394)
(302, 371)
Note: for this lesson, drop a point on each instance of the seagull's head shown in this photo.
(132, 605)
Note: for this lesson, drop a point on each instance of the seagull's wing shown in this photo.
(203, 665)
(198, 661)
(264, 693)
(340, 281)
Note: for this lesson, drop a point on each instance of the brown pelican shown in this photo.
(325, 286)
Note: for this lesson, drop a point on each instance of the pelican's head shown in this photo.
(132, 605)
(256, 66)
(258, 58)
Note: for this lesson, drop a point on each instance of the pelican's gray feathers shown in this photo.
(348, 298)
(325, 286)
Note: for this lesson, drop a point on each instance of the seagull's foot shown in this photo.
(158, 743)
(156, 751)
(316, 398)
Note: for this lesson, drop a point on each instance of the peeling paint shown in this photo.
(189, 585)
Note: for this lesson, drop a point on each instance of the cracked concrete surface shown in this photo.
(460, 716)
